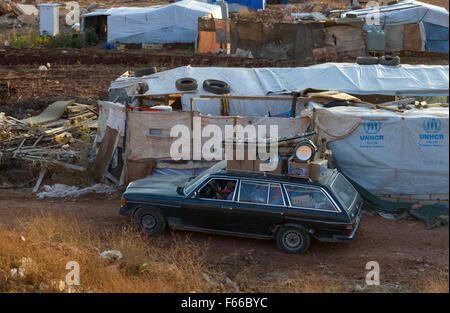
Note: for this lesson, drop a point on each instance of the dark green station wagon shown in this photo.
(264, 206)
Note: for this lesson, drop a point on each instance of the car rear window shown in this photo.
(344, 191)
(310, 198)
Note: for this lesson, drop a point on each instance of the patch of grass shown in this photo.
(31, 38)
(434, 283)
(162, 264)
(52, 241)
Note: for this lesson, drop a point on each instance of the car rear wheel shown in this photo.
(149, 221)
(293, 240)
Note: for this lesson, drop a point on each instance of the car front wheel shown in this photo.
(150, 221)
(293, 240)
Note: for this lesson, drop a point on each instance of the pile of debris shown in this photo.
(285, 14)
(60, 136)
(268, 16)
(17, 14)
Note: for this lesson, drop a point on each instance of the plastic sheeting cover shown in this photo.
(352, 78)
(391, 153)
(177, 22)
(406, 12)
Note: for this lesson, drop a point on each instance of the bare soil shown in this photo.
(87, 73)
(405, 249)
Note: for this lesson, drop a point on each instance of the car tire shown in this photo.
(216, 86)
(150, 221)
(390, 60)
(293, 240)
(367, 60)
(145, 71)
(186, 84)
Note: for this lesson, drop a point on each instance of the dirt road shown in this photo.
(405, 249)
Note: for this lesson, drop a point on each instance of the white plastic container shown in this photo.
(49, 19)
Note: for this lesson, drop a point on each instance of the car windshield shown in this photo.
(344, 190)
(193, 183)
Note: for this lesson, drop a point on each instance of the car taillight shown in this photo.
(348, 230)
(123, 202)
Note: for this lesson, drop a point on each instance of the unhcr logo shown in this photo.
(372, 127)
(431, 125)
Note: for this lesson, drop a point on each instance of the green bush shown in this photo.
(75, 40)
(90, 37)
(21, 41)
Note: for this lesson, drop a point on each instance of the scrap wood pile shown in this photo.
(60, 136)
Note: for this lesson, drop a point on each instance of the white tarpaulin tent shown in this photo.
(432, 21)
(391, 153)
(405, 80)
(176, 22)
(405, 12)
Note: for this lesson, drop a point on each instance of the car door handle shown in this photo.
(227, 208)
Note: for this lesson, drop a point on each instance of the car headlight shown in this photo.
(305, 151)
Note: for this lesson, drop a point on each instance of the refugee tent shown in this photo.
(254, 5)
(391, 152)
(432, 20)
(176, 22)
(351, 78)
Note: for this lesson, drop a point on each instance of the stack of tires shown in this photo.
(384, 60)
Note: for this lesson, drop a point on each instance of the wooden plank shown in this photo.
(18, 149)
(412, 41)
(150, 131)
(252, 98)
(109, 176)
(348, 39)
(39, 181)
(105, 153)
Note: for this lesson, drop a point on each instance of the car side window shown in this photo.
(254, 192)
(275, 195)
(218, 188)
(310, 198)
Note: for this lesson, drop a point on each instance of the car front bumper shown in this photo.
(125, 211)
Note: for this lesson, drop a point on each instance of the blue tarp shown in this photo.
(251, 4)
(437, 38)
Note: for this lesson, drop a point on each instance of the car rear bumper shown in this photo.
(352, 235)
(340, 238)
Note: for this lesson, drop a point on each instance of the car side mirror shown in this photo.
(195, 195)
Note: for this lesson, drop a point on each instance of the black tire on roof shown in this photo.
(145, 71)
(389, 60)
(367, 60)
(216, 86)
(186, 84)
